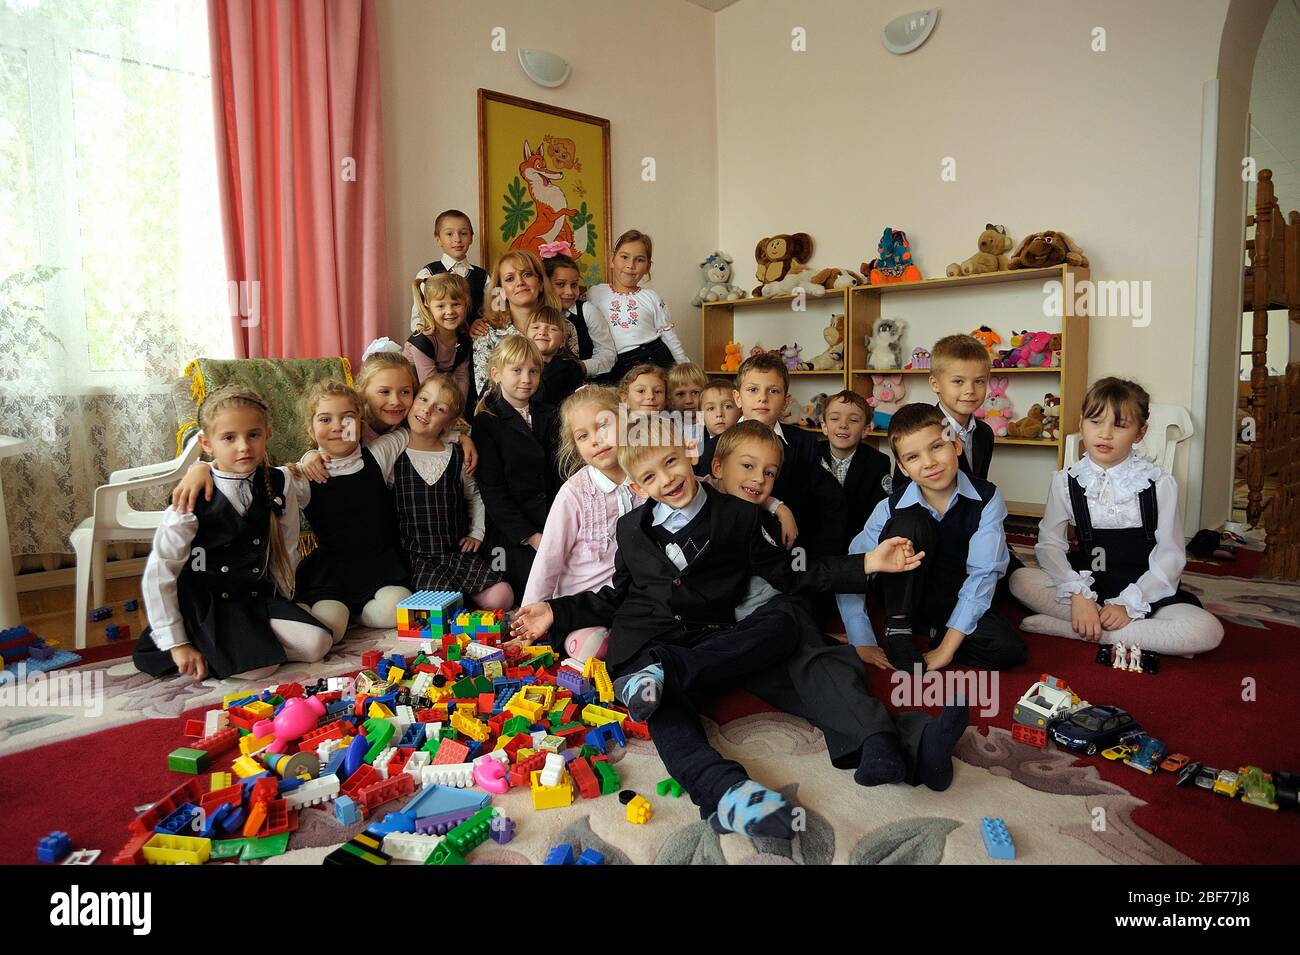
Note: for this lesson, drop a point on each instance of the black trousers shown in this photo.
(993, 645)
(655, 352)
(714, 659)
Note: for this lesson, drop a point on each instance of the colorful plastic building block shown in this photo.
(427, 614)
(174, 850)
(997, 840)
(186, 760)
(591, 857)
(668, 787)
(560, 855)
(501, 829)
(131, 605)
(365, 849)
(54, 848)
(100, 613)
(551, 797)
(639, 810)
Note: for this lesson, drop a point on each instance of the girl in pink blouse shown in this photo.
(441, 342)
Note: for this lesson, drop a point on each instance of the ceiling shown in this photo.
(1275, 105)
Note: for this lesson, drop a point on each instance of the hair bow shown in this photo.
(548, 249)
(380, 345)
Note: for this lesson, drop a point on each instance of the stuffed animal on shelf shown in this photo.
(1051, 417)
(893, 261)
(997, 406)
(993, 245)
(987, 337)
(884, 348)
(1054, 351)
(1041, 249)
(831, 279)
(920, 360)
(1029, 427)
(1033, 354)
(717, 280)
(832, 359)
(756, 351)
(790, 355)
(783, 265)
(731, 356)
(887, 394)
(1004, 354)
(813, 412)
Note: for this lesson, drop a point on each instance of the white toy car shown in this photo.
(1042, 704)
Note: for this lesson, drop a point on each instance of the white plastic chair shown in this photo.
(114, 519)
(1159, 445)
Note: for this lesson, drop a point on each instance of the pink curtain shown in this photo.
(300, 173)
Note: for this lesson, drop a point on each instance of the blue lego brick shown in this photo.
(560, 855)
(346, 812)
(212, 825)
(181, 820)
(394, 822)
(60, 659)
(234, 822)
(54, 848)
(598, 738)
(471, 668)
(591, 857)
(243, 700)
(335, 764)
(101, 613)
(131, 605)
(335, 707)
(430, 600)
(997, 840)
(436, 800)
(398, 660)
(382, 668)
(413, 736)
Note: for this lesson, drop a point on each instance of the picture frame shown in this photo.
(544, 178)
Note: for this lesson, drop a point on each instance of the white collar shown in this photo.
(914, 494)
(776, 427)
(233, 475)
(842, 462)
(662, 511)
(602, 483)
(1127, 479)
(343, 463)
(450, 264)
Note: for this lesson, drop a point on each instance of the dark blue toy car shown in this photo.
(1095, 728)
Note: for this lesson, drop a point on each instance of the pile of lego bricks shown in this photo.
(461, 713)
(22, 651)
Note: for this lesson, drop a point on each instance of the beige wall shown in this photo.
(646, 65)
(847, 138)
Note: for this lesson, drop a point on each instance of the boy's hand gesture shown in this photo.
(892, 556)
(531, 622)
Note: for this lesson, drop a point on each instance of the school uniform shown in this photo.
(965, 555)
(475, 276)
(208, 581)
(977, 448)
(429, 355)
(708, 447)
(355, 524)
(517, 476)
(640, 325)
(863, 478)
(595, 341)
(561, 377)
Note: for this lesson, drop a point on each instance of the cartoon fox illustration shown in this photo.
(551, 223)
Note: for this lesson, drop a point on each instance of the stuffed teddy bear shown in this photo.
(790, 355)
(887, 394)
(717, 280)
(997, 406)
(893, 262)
(993, 245)
(731, 356)
(883, 348)
(1051, 417)
(1029, 427)
(832, 359)
(920, 360)
(1041, 249)
(783, 265)
(987, 337)
(1054, 351)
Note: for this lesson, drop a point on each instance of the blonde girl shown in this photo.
(440, 341)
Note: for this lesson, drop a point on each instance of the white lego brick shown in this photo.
(553, 770)
(327, 749)
(419, 759)
(313, 792)
(411, 846)
(214, 721)
(405, 717)
(381, 761)
(458, 775)
(426, 647)
(340, 684)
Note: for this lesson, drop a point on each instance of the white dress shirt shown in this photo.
(603, 352)
(967, 435)
(839, 467)
(1112, 495)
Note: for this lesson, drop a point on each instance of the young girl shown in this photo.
(217, 583)
(441, 342)
(644, 388)
(595, 340)
(517, 437)
(519, 288)
(637, 317)
(1121, 582)
(561, 373)
(440, 515)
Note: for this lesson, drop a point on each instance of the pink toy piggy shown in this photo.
(296, 718)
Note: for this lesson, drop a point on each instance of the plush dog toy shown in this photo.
(832, 358)
(993, 244)
(1030, 426)
(1042, 249)
(893, 262)
(883, 347)
(717, 280)
(783, 265)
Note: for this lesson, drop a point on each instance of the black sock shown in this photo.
(881, 762)
(934, 755)
(899, 644)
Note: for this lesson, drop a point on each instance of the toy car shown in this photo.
(1188, 774)
(1175, 762)
(1095, 728)
(1206, 776)
(1122, 751)
(1227, 784)
(1148, 755)
(1257, 788)
(1041, 704)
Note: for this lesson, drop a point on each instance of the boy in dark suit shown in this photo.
(762, 393)
(956, 520)
(683, 565)
(859, 469)
(455, 234)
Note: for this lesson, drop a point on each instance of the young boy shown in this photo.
(762, 392)
(454, 234)
(719, 411)
(683, 564)
(685, 383)
(956, 520)
(822, 681)
(562, 374)
(861, 470)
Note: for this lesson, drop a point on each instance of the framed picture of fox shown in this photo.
(543, 182)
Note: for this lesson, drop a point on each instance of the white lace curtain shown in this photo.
(112, 273)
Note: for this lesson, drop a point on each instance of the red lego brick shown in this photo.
(519, 673)
(264, 790)
(544, 678)
(427, 668)
(231, 794)
(486, 701)
(241, 718)
(336, 730)
(370, 659)
(218, 742)
(133, 852)
(497, 722)
(1029, 734)
(521, 771)
(399, 760)
(570, 714)
(450, 669)
(467, 706)
(450, 751)
(581, 772)
(639, 730)
(573, 736)
(517, 742)
(330, 696)
(358, 781)
(360, 707)
(287, 691)
(375, 795)
(188, 791)
(279, 818)
(433, 715)
(194, 728)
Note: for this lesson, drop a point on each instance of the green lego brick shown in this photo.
(186, 760)
(453, 652)
(465, 688)
(379, 733)
(471, 833)
(447, 733)
(482, 685)
(516, 725)
(265, 847)
(545, 660)
(276, 700)
(609, 781)
(431, 746)
(227, 848)
(444, 854)
(589, 751)
(668, 787)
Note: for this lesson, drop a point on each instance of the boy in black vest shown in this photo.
(859, 469)
(455, 234)
(956, 520)
(683, 565)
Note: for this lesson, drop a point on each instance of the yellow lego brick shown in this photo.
(379, 711)
(174, 850)
(502, 743)
(436, 693)
(523, 753)
(551, 797)
(220, 781)
(520, 706)
(396, 675)
(639, 811)
(545, 695)
(463, 723)
(54, 644)
(403, 618)
(261, 708)
(537, 650)
(246, 766)
(594, 715)
(599, 676)
(250, 744)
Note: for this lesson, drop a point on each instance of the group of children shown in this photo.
(697, 552)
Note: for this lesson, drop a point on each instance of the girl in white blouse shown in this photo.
(1121, 583)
